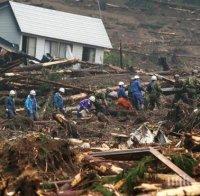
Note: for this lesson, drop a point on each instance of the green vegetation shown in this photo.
(114, 59)
(132, 176)
(100, 188)
(185, 162)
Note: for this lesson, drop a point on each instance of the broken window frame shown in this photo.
(58, 52)
(89, 58)
(26, 40)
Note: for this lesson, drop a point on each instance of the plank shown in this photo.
(171, 165)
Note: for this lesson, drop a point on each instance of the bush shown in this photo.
(114, 59)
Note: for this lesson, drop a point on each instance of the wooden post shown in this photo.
(121, 55)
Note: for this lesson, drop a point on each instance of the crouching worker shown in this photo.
(10, 105)
(85, 106)
(31, 106)
(123, 98)
(58, 102)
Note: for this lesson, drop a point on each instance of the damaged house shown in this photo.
(38, 31)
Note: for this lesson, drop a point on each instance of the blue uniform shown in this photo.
(10, 107)
(121, 92)
(85, 104)
(31, 107)
(58, 101)
(136, 90)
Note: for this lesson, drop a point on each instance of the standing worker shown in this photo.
(180, 90)
(136, 89)
(192, 84)
(10, 105)
(31, 105)
(123, 98)
(154, 92)
(58, 102)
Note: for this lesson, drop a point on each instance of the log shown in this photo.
(77, 97)
(98, 164)
(117, 69)
(169, 180)
(144, 187)
(45, 65)
(61, 84)
(68, 125)
(192, 142)
(194, 189)
(11, 66)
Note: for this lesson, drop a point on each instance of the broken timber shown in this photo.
(138, 153)
(46, 65)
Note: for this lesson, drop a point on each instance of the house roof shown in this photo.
(60, 25)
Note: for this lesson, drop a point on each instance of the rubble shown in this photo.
(124, 152)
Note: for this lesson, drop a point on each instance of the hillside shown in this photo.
(150, 28)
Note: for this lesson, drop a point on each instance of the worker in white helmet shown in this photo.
(123, 100)
(58, 102)
(136, 90)
(153, 93)
(85, 106)
(121, 91)
(10, 105)
(31, 105)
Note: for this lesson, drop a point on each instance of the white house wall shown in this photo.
(8, 26)
(99, 55)
(77, 51)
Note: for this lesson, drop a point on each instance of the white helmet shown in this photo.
(32, 92)
(92, 98)
(153, 78)
(121, 83)
(62, 90)
(136, 77)
(12, 92)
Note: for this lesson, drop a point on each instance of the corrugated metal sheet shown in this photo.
(60, 25)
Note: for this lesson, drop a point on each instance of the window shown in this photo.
(57, 49)
(29, 45)
(47, 49)
(54, 49)
(89, 54)
(62, 50)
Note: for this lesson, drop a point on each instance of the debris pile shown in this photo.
(112, 152)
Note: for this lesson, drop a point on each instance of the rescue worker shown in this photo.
(123, 98)
(192, 85)
(154, 92)
(58, 102)
(137, 96)
(31, 105)
(121, 91)
(101, 97)
(85, 106)
(101, 104)
(180, 90)
(10, 105)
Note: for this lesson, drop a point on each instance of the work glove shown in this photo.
(87, 110)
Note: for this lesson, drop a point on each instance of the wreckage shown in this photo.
(124, 153)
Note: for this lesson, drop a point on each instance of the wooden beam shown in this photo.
(171, 165)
